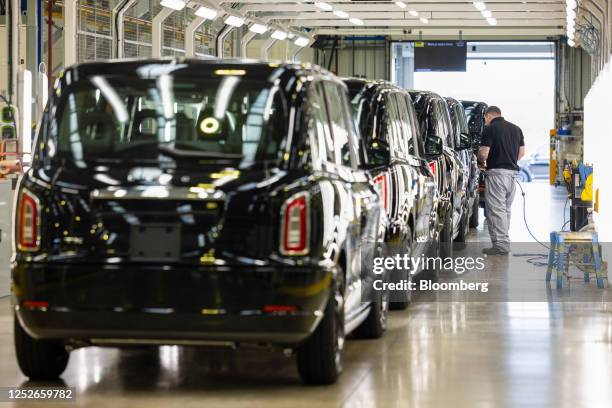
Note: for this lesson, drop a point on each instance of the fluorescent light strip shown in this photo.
(413, 13)
(356, 21)
(492, 21)
(424, 20)
(401, 4)
(486, 13)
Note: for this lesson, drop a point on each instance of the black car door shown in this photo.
(360, 209)
(424, 187)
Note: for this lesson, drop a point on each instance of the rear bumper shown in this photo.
(170, 305)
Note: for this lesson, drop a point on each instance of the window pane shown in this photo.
(339, 123)
(325, 144)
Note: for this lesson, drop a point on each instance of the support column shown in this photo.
(298, 49)
(265, 49)
(157, 31)
(117, 28)
(70, 33)
(14, 11)
(32, 45)
(228, 29)
(190, 35)
(244, 43)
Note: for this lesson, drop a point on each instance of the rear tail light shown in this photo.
(380, 183)
(28, 222)
(294, 229)
(434, 168)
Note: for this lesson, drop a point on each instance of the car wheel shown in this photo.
(474, 221)
(433, 253)
(463, 230)
(38, 359)
(375, 325)
(446, 237)
(401, 299)
(319, 359)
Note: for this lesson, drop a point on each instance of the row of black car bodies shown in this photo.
(196, 202)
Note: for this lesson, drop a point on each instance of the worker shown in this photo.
(502, 146)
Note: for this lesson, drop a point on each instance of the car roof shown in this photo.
(193, 67)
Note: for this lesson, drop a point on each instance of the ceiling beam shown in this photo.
(459, 17)
(433, 33)
(390, 7)
(453, 23)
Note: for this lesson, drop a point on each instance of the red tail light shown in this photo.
(434, 167)
(28, 225)
(294, 230)
(380, 183)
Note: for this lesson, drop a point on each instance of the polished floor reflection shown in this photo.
(435, 354)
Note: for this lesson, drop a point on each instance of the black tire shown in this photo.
(39, 359)
(401, 300)
(319, 359)
(375, 325)
(446, 237)
(431, 273)
(474, 219)
(464, 228)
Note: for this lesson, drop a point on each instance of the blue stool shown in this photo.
(581, 249)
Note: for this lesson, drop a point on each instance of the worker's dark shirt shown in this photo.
(504, 140)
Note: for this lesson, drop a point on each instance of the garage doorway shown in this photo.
(519, 77)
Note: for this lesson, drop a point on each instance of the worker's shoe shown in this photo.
(494, 251)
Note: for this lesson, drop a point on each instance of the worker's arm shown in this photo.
(521, 152)
(483, 153)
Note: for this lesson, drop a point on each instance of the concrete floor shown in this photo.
(478, 353)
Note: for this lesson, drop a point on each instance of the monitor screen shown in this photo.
(440, 56)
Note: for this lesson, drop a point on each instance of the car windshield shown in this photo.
(112, 117)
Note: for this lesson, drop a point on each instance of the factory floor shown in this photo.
(498, 350)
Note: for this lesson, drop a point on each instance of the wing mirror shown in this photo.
(379, 153)
(465, 141)
(433, 145)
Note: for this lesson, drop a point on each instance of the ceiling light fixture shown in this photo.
(413, 13)
(492, 21)
(480, 5)
(279, 35)
(323, 6)
(234, 21)
(400, 4)
(258, 28)
(424, 20)
(486, 13)
(301, 41)
(173, 4)
(207, 13)
(356, 21)
(341, 14)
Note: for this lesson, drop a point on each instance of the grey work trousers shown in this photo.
(499, 194)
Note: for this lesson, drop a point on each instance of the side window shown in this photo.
(386, 127)
(395, 133)
(408, 128)
(339, 123)
(444, 125)
(416, 125)
(324, 143)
